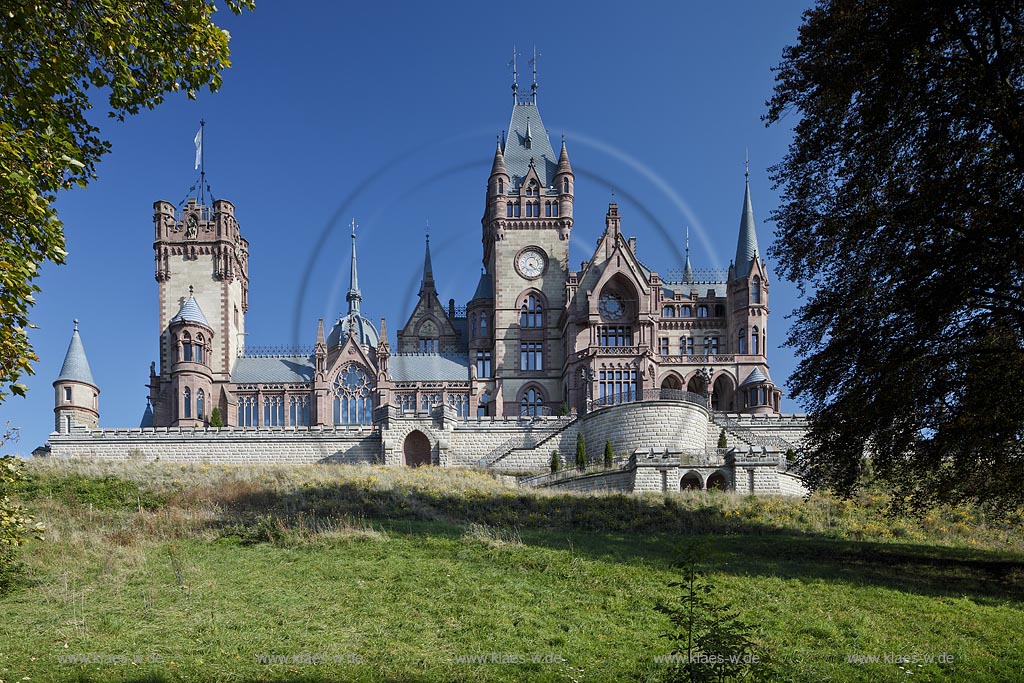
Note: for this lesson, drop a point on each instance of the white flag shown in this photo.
(199, 146)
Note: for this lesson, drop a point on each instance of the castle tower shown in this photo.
(76, 401)
(526, 228)
(748, 317)
(201, 246)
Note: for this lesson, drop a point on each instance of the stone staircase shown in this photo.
(526, 440)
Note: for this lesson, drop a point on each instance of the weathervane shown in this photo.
(515, 73)
(533, 63)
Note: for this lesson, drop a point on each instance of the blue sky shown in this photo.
(387, 112)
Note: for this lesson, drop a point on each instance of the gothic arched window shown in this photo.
(755, 290)
(200, 343)
(186, 345)
(200, 403)
(501, 186)
(352, 402)
(668, 312)
(547, 209)
(532, 312)
(472, 325)
(687, 312)
(743, 341)
(531, 189)
(754, 339)
(532, 404)
(554, 209)
(508, 210)
(483, 324)
(702, 311)
(188, 402)
(515, 210)
(565, 185)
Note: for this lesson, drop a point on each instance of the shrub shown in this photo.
(581, 452)
(563, 410)
(722, 441)
(608, 455)
(215, 419)
(790, 455)
(554, 461)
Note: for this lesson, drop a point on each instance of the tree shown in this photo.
(554, 462)
(903, 214)
(581, 452)
(710, 641)
(215, 419)
(608, 455)
(723, 441)
(55, 55)
(16, 525)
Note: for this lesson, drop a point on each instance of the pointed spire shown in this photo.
(528, 139)
(746, 245)
(354, 296)
(563, 160)
(320, 339)
(147, 416)
(687, 268)
(382, 344)
(76, 365)
(498, 167)
(428, 270)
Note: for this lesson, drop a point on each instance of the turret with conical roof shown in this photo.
(746, 245)
(76, 396)
(353, 323)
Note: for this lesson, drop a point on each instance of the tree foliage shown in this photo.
(16, 525)
(581, 451)
(215, 419)
(903, 216)
(56, 58)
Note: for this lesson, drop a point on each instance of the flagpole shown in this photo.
(202, 160)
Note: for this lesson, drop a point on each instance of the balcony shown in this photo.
(697, 360)
(637, 395)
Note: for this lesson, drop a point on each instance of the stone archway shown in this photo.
(723, 394)
(690, 482)
(718, 481)
(671, 382)
(416, 449)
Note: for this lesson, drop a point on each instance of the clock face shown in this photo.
(612, 307)
(531, 262)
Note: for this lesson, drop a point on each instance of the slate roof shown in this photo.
(190, 312)
(517, 156)
(755, 377)
(76, 365)
(147, 417)
(428, 367)
(746, 245)
(484, 288)
(261, 369)
(366, 333)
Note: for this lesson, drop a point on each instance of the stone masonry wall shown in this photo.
(227, 445)
(666, 425)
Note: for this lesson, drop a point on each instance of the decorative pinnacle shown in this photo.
(76, 324)
(353, 227)
(190, 290)
(746, 173)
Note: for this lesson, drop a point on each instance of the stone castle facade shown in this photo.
(539, 347)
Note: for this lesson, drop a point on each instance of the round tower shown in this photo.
(76, 401)
(191, 377)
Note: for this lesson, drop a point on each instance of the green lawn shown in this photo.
(358, 573)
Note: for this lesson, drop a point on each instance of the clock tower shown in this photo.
(526, 228)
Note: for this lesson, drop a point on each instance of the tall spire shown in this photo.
(428, 270)
(354, 296)
(76, 365)
(687, 268)
(746, 245)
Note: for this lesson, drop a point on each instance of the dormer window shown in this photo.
(529, 142)
(531, 189)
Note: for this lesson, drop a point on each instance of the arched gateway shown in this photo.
(416, 449)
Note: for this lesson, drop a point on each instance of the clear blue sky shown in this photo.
(388, 112)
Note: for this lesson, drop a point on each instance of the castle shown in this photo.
(658, 366)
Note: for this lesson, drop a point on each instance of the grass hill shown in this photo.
(160, 572)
